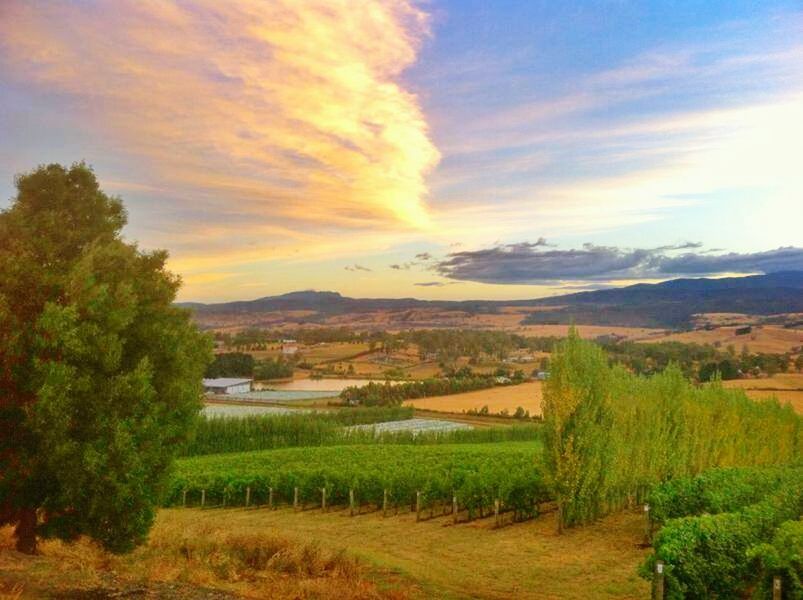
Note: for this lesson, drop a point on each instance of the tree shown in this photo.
(578, 418)
(99, 372)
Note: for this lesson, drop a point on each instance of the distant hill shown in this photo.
(670, 304)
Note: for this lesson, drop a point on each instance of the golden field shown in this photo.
(527, 395)
(763, 338)
(786, 387)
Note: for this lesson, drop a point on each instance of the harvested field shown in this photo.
(781, 381)
(786, 387)
(527, 395)
(763, 338)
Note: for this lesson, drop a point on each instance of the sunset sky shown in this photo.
(463, 149)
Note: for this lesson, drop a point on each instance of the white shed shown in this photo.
(227, 385)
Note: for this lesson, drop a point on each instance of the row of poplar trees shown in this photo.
(612, 435)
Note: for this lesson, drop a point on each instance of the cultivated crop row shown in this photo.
(380, 476)
(754, 539)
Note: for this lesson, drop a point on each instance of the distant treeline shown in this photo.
(446, 346)
(242, 364)
(264, 432)
(696, 361)
(389, 394)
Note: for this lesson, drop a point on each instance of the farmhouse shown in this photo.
(227, 385)
(289, 347)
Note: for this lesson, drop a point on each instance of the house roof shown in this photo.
(225, 382)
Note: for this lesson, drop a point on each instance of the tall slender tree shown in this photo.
(99, 372)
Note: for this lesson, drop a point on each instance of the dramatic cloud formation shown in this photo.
(288, 108)
(525, 263)
(356, 267)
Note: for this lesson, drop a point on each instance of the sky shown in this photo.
(435, 149)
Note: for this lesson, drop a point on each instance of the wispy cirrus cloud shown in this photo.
(527, 263)
(289, 109)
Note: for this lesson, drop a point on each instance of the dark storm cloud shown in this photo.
(538, 263)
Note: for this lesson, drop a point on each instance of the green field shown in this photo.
(478, 474)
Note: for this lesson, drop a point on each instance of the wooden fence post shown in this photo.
(270, 498)
(323, 499)
(647, 525)
(385, 503)
(295, 498)
(418, 506)
(184, 498)
(351, 502)
(248, 496)
(496, 512)
(776, 588)
(454, 508)
(203, 498)
(658, 581)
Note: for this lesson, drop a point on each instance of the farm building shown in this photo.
(289, 347)
(227, 385)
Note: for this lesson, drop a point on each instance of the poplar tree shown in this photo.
(100, 373)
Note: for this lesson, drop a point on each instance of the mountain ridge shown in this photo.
(670, 303)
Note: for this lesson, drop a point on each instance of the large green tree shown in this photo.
(100, 373)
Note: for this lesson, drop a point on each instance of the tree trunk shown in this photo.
(25, 531)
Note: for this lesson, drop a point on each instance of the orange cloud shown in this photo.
(290, 109)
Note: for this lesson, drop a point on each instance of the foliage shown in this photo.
(612, 435)
(725, 369)
(578, 418)
(478, 474)
(717, 490)
(264, 432)
(390, 394)
(277, 368)
(99, 373)
(231, 364)
(709, 556)
(782, 557)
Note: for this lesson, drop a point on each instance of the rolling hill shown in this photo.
(670, 304)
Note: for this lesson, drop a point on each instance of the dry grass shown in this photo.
(763, 338)
(527, 560)
(527, 395)
(197, 555)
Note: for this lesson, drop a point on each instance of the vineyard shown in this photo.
(728, 531)
(381, 476)
(720, 473)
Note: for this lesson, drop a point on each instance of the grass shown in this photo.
(201, 558)
(257, 553)
(526, 560)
